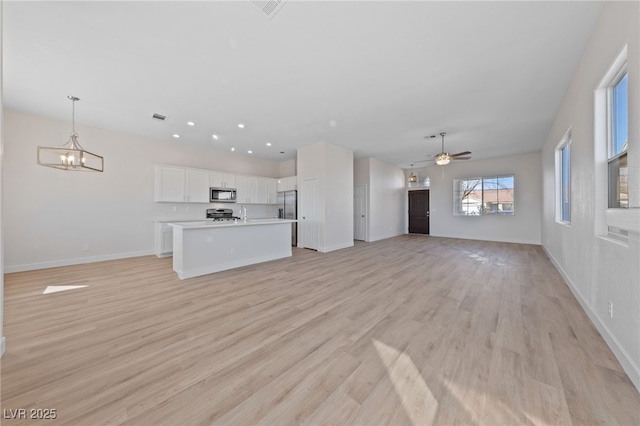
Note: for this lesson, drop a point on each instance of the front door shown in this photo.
(419, 212)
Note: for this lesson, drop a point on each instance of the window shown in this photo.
(618, 143)
(483, 196)
(419, 181)
(563, 179)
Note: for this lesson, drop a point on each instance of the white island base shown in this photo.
(201, 248)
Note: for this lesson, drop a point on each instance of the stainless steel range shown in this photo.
(221, 215)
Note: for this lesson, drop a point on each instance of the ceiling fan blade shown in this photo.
(461, 158)
(460, 153)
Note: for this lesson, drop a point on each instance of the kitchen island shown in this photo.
(205, 247)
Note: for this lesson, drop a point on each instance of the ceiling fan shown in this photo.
(444, 158)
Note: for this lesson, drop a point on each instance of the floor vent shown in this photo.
(159, 117)
(268, 7)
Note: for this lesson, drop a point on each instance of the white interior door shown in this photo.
(359, 212)
(310, 216)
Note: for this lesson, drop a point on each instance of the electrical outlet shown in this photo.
(232, 251)
(175, 208)
(610, 309)
(85, 247)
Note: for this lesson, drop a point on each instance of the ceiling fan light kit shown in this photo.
(444, 158)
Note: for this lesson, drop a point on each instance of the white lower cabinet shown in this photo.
(163, 240)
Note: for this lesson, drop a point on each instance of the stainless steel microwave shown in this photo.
(222, 195)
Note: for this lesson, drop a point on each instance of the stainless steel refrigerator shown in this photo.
(288, 209)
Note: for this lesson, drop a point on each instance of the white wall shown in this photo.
(339, 201)
(386, 197)
(361, 171)
(598, 269)
(523, 227)
(50, 214)
(287, 168)
(333, 167)
(310, 165)
(2, 339)
(388, 205)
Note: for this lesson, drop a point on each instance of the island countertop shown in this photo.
(229, 223)
(208, 246)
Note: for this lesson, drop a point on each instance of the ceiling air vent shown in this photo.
(159, 117)
(268, 7)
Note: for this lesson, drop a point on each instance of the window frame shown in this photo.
(458, 202)
(616, 159)
(608, 219)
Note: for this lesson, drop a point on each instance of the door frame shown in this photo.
(366, 212)
(304, 227)
(409, 210)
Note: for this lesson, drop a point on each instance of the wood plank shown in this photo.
(407, 330)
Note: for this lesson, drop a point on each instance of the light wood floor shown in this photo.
(409, 330)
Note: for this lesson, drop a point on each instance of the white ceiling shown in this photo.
(375, 77)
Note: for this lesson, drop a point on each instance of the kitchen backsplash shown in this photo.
(183, 211)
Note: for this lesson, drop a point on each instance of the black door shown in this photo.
(419, 212)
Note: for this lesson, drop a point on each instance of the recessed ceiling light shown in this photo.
(191, 123)
(176, 135)
(215, 137)
(233, 149)
(268, 143)
(250, 152)
(241, 125)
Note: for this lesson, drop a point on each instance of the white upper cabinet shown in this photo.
(170, 184)
(241, 189)
(252, 190)
(287, 183)
(272, 191)
(175, 184)
(222, 180)
(197, 186)
(263, 196)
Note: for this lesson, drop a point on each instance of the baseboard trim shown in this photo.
(632, 370)
(335, 247)
(384, 237)
(495, 240)
(78, 261)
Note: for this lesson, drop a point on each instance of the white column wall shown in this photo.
(332, 165)
(339, 198)
(388, 205)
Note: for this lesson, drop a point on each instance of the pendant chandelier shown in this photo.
(70, 156)
(412, 178)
